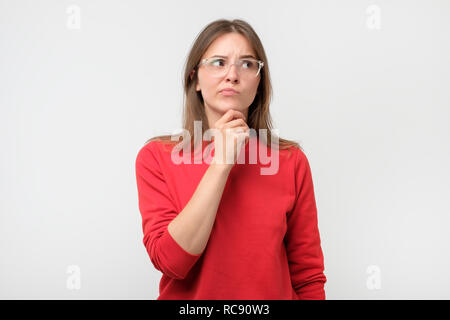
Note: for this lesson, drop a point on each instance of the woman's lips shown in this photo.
(228, 92)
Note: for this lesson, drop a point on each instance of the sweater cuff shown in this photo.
(179, 260)
(312, 291)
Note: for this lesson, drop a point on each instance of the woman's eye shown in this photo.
(247, 64)
(217, 62)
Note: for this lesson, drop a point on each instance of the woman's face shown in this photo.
(232, 46)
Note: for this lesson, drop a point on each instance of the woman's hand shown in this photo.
(234, 133)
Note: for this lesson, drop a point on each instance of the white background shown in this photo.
(371, 108)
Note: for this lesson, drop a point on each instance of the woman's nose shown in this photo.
(232, 73)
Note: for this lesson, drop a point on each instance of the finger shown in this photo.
(235, 123)
(229, 115)
(226, 117)
(240, 129)
(238, 114)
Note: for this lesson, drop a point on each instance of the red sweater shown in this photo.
(265, 241)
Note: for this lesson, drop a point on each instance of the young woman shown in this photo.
(221, 229)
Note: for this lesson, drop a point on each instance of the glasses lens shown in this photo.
(245, 67)
(249, 67)
(216, 66)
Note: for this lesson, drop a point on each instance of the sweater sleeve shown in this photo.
(302, 239)
(157, 210)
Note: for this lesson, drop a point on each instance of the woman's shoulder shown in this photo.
(160, 142)
(152, 148)
(294, 157)
(291, 149)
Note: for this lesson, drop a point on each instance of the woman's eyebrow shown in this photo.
(244, 56)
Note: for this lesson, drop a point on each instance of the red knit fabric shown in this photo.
(265, 241)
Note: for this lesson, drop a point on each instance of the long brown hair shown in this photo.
(258, 113)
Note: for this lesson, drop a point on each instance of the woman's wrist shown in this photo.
(221, 166)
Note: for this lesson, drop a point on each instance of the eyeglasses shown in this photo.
(218, 67)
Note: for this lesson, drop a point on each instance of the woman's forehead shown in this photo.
(230, 44)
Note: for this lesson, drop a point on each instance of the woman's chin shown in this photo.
(224, 107)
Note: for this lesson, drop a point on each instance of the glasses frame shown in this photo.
(260, 63)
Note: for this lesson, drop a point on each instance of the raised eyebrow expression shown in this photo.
(241, 57)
